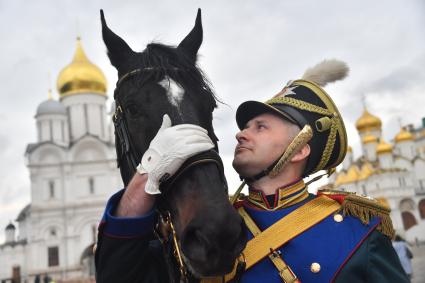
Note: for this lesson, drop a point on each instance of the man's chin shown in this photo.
(240, 167)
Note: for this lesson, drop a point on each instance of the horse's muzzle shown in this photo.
(212, 250)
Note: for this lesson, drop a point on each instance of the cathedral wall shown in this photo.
(419, 170)
(45, 131)
(11, 256)
(23, 229)
(406, 149)
(86, 114)
(76, 117)
(402, 163)
(97, 122)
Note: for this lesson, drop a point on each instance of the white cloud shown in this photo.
(251, 49)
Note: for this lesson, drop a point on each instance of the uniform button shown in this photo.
(315, 267)
(338, 218)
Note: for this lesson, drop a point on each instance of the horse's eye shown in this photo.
(132, 110)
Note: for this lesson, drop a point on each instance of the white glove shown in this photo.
(169, 149)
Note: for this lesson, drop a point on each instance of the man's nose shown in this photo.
(241, 135)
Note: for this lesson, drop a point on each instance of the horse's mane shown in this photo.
(160, 60)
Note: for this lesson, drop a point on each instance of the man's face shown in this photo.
(261, 142)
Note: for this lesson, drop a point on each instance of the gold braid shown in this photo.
(302, 105)
(329, 146)
(303, 137)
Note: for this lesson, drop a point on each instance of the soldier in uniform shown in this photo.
(294, 236)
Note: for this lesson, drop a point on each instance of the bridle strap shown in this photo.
(210, 156)
(121, 130)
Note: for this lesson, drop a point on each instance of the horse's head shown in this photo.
(165, 80)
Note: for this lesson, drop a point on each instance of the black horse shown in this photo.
(164, 79)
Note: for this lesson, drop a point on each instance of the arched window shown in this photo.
(51, 189)
(422, 208)
(407, 205)
(16, 273)
(408, 220)
(91, 185)
(53, 256)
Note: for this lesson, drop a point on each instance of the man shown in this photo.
(299, 237)
(339, 247)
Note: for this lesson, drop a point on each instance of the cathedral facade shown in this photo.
(391, 172)
(73, 171)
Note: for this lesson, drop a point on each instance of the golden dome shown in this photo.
(369, 139)
(384, 147)
(340, 179)
(368, 122)
(81, 76)
(383, 201)
(366, 171)
(403, 135)
(352, 174)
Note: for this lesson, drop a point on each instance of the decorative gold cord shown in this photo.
(303, 137)
(330, 143)
(300, 105)
(237, 193)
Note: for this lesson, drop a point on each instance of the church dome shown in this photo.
(50, 106)
(10, 226)
(368, 122)
(81, 76)
(352, 175)
(340, 179)
(403, 135)
(366, 171)
(384, 147)
(369, 139)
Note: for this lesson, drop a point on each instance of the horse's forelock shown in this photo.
(160, 60)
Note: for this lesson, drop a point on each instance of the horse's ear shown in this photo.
(118, 49)
(191, 43)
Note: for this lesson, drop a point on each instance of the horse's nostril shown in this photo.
(236, 242)
(195, 245)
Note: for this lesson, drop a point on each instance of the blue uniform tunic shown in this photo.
(329, 243)
(347, 251)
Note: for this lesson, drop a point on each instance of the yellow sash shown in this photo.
(287, 228)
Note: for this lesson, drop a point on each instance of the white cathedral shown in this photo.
(73, 171)
(393, 173)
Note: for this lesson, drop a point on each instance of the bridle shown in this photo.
(164, 229)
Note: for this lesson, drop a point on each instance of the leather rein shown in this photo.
(164, 229)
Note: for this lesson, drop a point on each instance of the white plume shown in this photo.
(327, 71)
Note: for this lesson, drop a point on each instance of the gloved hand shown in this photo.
(169, 149)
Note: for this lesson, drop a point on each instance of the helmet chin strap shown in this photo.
(302, 138)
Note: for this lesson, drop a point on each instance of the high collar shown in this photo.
(284, 197)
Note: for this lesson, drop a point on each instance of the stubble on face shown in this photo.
(261, 143)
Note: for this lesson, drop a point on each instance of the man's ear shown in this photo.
(301, 155)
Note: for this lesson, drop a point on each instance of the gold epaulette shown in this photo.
(363, 208)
